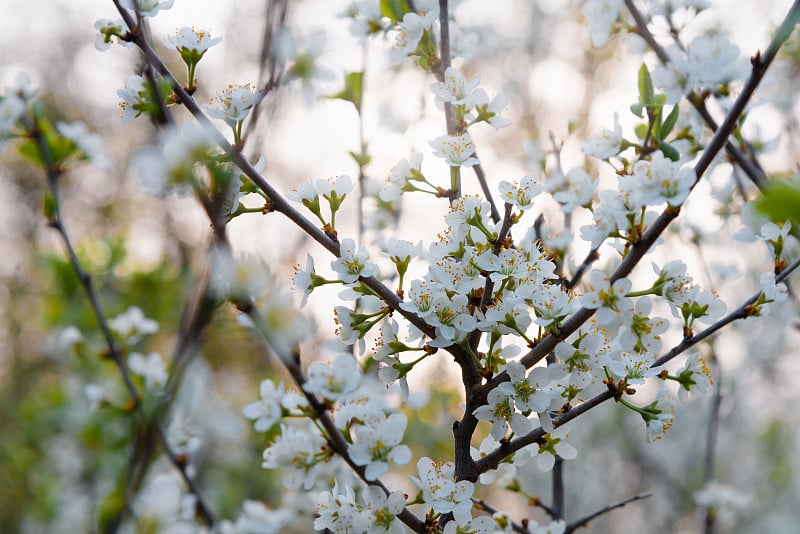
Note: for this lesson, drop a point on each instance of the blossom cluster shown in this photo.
(490, 291)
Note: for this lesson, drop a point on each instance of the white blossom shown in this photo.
(332, 381)
(146, 8)
(457, 150)
(441, 492)
(267, 410)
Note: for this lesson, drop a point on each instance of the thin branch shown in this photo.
(269, 76)
(492, 460)
(592, 256)
(557, 474)
(584, 521)
(709, 459)
(478, 170)
(480, 504)
(276, 201)
(53, 176)
(752, 169)
(292, 364)
(444, 62)
(760, 64)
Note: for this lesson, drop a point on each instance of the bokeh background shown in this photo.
(59, 459)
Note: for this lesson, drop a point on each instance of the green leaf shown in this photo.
(362, 159)
(353, 87)
(669, 122)
(641, 130)
(780, 200)
(49, 206)
(29, 151)
(646, 92)
(637, 109)
(394, 9)
(670, 151)
(109, 514)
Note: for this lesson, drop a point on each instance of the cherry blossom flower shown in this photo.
(146, 8)
(133, 98)
(659, 180)
(609, 217)
(508, 315)
(256, 517)
(452, 319)
(132, 324)
(488, 111)
(107, 29)
(420, 298)
(441, 492)
(575, 189)
(658, 415)
(499, 409)
(457, 150)
(634, 367)
(298, 452)
(400, 176)
(192, 40)
(521, 195)
(608, 299)
(365, 18)
(171, 164)
(12, 109)
(454, 89)
(385, 509)
(555, 444)
(605, 144)
(150, 367)
(352, 263)
(694, 377)
(338, 511)
(233, 103)
(601, 15)
(410, 31)
(163, 501)
(377, 442)
(90, 144)
(553, 527)
(333, 381)
(301, 55)
(535, 391)
(267, 410)
(717, 495)
(643, 331)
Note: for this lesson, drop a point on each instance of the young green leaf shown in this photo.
(780, 200)
(394, 9)
(646, 92)
(669, 122)
(353, 86)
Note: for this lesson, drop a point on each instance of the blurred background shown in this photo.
(60, 457)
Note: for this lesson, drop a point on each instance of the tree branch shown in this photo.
(584, 521)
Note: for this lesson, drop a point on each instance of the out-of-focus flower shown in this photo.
(172, 162)
(133, 324)
(606, 143)
(146, 8)
(267, 410)
(90, 144)
(150, 367)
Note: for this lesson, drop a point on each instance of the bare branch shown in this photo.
(584, 521)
